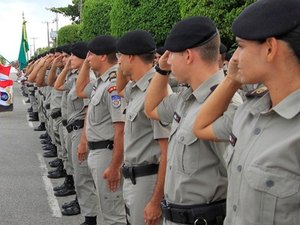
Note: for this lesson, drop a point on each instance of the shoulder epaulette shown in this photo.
(257, 93)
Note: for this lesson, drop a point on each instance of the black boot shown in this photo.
(55, 163)
(58, 173)
(41, 127)
(67, 188)
(27, 101)
(34, 116)
(70, 204)
(29, 109)
(90, 220)
(72, 210)
(50, 154)
(44, 136)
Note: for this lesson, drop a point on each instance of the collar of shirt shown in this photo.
(205, 89)
(105, 76)
(143, 83)
(288, 108)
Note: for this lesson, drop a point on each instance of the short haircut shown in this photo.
(209, 52)
(147, 58)
(112, 58)
(293, 40)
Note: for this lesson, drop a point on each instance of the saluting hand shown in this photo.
(113, 177)
(163, 61)
(233, 71)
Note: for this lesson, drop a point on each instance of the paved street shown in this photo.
(26, 196)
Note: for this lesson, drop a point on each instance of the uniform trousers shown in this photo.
(137, 196)
(83, 180)
(111, 204)
(68, 163)
(58, 133)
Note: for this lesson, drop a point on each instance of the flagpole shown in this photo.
(23, 16)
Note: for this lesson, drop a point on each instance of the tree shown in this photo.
(154, 16)
(95, 18)
(69, 34)
(72, 11)
(221, 12)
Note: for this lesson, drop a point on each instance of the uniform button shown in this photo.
(239, 168)
(270, 183)
(257, 131)
(181, 138)
(234, 207)
(170, 167)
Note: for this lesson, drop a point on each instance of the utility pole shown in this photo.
(47, 22)
(33, 39)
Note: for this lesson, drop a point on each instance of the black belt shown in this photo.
(76, 125)
(139, 171)
(204, 214)
(101, 145)
(56, 114)
(64, 123)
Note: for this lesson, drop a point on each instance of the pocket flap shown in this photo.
(186, 138)
(276, 184)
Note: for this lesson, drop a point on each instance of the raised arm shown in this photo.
(40, 79)
(59, 83)
(216, 104)
(121, 83)
(83, 79)
(158, 88)
(57, 62)
(36, 67)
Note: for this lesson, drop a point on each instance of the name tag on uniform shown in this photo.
(176, 117)
(232, 139)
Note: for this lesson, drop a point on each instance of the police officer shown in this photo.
(263, 157)
(145, 141)
(104, 128)
(196, 179)
(76, 110)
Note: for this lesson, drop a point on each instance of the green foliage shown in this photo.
(221, 12)
(72, 11)
(95, 18)
(154, 16)
(69, 34)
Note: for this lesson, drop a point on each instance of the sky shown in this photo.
(35, 14)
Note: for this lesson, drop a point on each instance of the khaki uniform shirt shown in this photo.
(263, 161)
(75, 106)
(141, 133)
(195, 171)
(105, 108)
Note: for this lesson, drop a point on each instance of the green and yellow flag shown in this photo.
(23, 48)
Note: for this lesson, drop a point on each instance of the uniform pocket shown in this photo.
(274, 195)
(188, 157)
(129, 126)
(96, 110)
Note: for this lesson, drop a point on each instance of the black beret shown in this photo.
(223, 48)
(103, 44)
(52, 51)
(189, 33)
(161, 50)
(80, 50)
(67, 49)
(267, 18)
(136, 42)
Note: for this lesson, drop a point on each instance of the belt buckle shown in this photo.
(76, 127)
(110, 146)
(198, 220)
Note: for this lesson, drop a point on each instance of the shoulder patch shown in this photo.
(116, 101)
(257, 93)
(111, 89)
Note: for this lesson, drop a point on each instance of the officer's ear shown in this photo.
(190, 55)
(271, 48)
